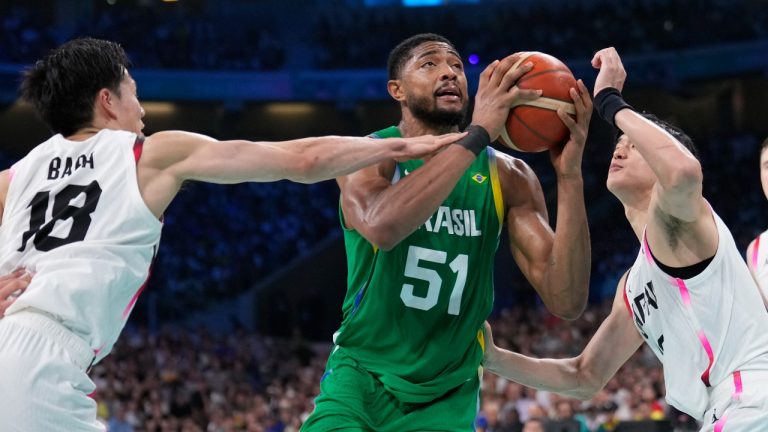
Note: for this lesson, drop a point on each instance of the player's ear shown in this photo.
(395, 89)
(105, 102)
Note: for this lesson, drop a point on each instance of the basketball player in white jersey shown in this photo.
(689, 294)
(82, 212)
(757, 251)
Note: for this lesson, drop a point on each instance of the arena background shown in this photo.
(232, 331)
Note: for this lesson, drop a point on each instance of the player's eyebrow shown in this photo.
(435, 51)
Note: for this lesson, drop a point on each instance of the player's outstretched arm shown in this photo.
(306, 160)
(679, 191)
(556, 263)
(579, 377)
(172, 157)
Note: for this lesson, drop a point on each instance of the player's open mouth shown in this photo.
(448, 94)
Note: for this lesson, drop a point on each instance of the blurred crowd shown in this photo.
(335, 33)
(221, 240)
(190, 380)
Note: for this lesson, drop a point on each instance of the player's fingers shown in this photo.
(450, 138)
(597, 60)
(585, 95)
(10, 287)
(516, 93)
(567, 120)
(13, 275)
(578, 102)
(4, 305)
(486, 74)
(501, 70)
(513, 75)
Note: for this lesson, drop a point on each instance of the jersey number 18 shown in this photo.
(62, 210)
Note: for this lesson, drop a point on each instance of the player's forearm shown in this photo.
(566, 280)
(399, 210)
(673, 164)
(555, 375)
(325, 158)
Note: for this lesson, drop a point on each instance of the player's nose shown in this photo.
(447, 72)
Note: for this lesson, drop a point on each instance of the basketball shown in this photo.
(534, 126)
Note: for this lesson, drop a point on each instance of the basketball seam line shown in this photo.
(547, 103)
(534, 132)
(529, 76)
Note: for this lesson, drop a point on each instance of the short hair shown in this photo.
(402, 52)
(765, 145)
(671, 129)
(63, 85)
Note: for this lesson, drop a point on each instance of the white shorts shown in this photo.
(43, 383)
(739, 404)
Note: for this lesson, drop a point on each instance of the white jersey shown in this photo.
(703, 329)
(759, 261)
(74, 217)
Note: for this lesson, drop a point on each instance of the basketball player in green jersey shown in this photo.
(421, 238)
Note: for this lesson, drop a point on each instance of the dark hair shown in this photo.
(671, 129)
(63, 85)
(402, 52)
(765, 145)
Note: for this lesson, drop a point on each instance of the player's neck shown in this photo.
(636, 211)
(84, 133)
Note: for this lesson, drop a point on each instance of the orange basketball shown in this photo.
(534, 126)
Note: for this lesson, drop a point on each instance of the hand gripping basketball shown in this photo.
(534, 125)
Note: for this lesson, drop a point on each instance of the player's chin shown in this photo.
(613, 183)
(450, 105)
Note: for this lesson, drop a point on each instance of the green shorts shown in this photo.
(352, 399)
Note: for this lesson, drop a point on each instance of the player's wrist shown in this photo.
(608, 102)
(477, 139)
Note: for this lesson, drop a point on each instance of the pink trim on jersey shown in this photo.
(754, 252)
(738, 388)
(721, 423)
(647, 249)
(702, 336)
(626, 299)
(135, 297)
(138, 147)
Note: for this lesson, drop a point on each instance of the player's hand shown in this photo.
(612, 73)
(567, 159)
(491, 350)
(497, 92)
(418, 147)
(11, 286)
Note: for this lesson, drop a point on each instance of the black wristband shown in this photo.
(477, 139)
(608, 102)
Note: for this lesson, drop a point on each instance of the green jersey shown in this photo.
(413, 315)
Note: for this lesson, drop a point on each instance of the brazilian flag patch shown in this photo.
(479, 178)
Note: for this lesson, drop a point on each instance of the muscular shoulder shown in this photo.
(373, 175)
(161, 149)
(519, 183)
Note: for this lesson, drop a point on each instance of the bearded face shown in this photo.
(427, 109)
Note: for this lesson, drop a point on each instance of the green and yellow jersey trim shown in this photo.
(498, 198)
